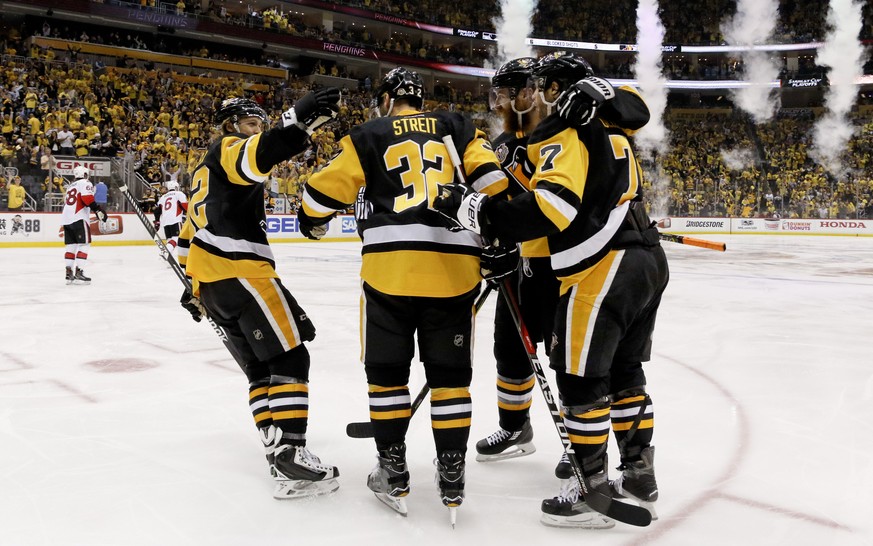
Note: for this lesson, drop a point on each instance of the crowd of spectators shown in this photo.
(615, 22)
(55, 105)
(685, 21)
(725, 165)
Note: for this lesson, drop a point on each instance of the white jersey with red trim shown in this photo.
(77, 200)
(173, 205)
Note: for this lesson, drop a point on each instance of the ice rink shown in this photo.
(123, 422)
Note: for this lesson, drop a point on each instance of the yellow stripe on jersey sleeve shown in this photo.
(234, 148)
(558, 211)
(478, 154)
(340, 180)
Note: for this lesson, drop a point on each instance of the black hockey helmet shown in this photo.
(401, 83)
(235, 109)
(562, 67)
(514, 73)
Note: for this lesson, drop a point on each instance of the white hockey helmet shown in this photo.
(80, 172)
(172, 185)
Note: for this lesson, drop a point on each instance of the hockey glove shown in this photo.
(100, 214)
(462, 206)
(498, 261)
(309, 228)
(580, 102)
(192, 304)
(312, 110)
(313, 232)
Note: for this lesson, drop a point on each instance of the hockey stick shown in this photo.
(692, 241)
(364, 429)
(174, 265)
(597, 500)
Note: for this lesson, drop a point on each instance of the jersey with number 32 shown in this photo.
(401, 161)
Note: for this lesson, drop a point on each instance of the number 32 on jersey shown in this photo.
(422, 168)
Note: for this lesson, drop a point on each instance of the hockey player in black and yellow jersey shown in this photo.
(514, 97)
(223, 247)
(586, 199)
(418, 278)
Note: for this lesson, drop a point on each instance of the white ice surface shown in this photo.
(123, 422)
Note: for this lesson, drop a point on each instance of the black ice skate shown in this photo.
(389, 481)
(300, 474)
(564, 470)
(569, 509)
(505, 444)
(450, 480)
(80, 276)
(637, 481)
(70, 277)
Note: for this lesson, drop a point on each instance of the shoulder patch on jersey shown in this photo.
(502, 152)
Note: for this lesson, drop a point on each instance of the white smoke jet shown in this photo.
(513, 26)
(844, 55)
(738, 159)
(753, 24)
(654, 137)
(661, 193)
(653, 85)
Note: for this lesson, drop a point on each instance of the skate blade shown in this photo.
(587, 520)
(398, 504)
(299, 489)
(453, 515)
(513, 452)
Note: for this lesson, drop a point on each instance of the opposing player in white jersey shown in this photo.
(78, 205)
(170, 213)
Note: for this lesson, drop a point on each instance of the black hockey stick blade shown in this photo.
(359, 430)
(617, 510)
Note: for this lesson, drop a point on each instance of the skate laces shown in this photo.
(498, 437)
(569, 492)
(304, 457)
